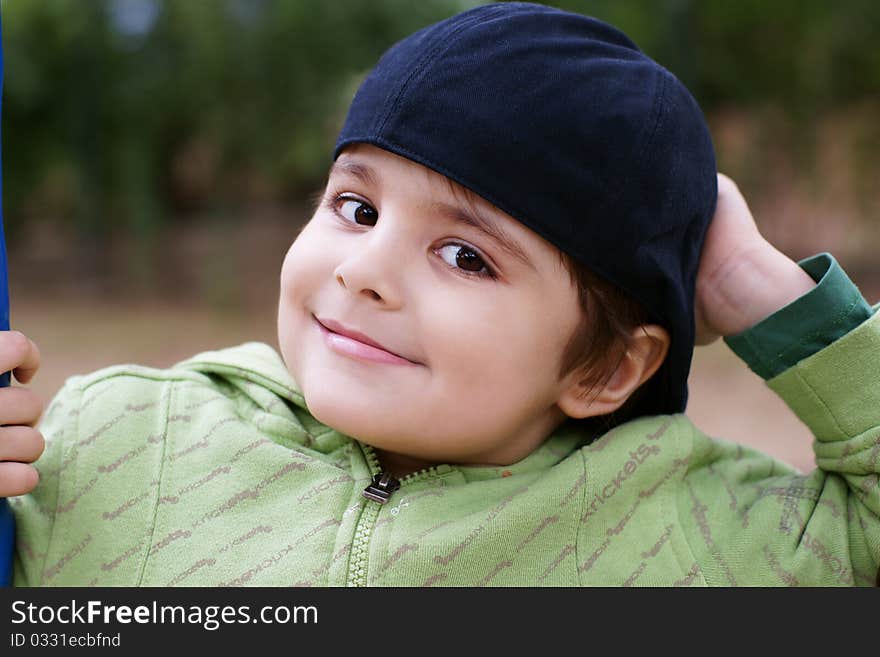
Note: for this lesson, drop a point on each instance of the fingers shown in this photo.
(20, 406)
(19, 446)
(18, 354)
(728, 191)
(23, 444)
(726, 184)
(17, 479)
(733, 208)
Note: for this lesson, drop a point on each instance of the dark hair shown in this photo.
(602, 339)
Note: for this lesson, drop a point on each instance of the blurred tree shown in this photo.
(800, 54)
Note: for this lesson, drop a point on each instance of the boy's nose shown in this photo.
(371, 274)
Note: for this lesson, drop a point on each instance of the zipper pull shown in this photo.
(382, 488)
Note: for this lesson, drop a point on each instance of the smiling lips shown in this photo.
(351, 343)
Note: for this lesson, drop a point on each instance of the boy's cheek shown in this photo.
(312, 254)
(301, 269)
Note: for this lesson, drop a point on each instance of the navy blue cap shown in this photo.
(560, 121)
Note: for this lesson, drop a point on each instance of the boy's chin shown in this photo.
(358, 419)
(381, 428)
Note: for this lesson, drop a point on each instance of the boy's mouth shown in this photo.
(352, 343)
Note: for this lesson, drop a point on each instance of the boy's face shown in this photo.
(473, 332)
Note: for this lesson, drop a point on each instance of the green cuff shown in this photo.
(808, 324)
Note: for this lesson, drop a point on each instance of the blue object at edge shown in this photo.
(7, 521)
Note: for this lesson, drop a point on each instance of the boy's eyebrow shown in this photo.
(360, 171)
(475, 220)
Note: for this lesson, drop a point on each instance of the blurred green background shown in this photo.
(160, 155)
(126, 121)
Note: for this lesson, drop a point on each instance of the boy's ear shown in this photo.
(587, 397)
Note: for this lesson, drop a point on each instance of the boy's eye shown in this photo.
(358, 212)
(463, 257)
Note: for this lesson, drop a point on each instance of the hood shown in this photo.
(254, 375)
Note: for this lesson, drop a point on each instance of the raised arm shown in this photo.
(742, 277)
(811, 335)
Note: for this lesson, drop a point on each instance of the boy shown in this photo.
(510, 257)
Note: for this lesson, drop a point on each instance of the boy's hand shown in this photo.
(742, 278)
(20, 408)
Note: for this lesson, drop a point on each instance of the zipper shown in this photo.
(380, 490)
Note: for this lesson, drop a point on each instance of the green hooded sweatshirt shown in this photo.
(213, 472)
